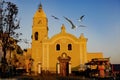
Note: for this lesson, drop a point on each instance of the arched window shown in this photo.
(69, 46)
(58, 47)
(36, 35)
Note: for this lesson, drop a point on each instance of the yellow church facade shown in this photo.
(45, 51)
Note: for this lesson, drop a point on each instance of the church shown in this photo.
(48, 53)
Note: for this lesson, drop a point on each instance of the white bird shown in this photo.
(73, 26)
(81, 18)
(81, 26)
(55, 17)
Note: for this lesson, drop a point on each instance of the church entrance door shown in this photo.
(64, 64)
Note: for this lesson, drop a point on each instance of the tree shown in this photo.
(9, 23)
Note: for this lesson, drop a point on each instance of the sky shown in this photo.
(102, 21)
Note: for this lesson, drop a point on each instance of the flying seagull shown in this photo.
(55, 17)
(81, 18)
(73, 26)
(81, 26)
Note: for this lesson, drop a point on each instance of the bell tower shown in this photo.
(40, 25)
(39, 34)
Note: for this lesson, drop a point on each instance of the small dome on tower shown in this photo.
(40, 12)
(82, 36)
(63, 28)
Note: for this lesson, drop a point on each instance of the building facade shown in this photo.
(45, 51)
